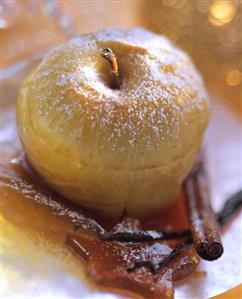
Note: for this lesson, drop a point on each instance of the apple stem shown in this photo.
(108, 54)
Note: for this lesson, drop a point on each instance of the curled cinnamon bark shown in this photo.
(203, 222)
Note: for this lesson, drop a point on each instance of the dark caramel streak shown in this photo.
(231, 206)
(144, 236)
(157, 267)
(204, 233)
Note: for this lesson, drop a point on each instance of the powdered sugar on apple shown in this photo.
(167, 88)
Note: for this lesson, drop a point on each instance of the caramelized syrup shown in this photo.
(29, 204)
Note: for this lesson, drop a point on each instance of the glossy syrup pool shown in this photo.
(47, 220)
(40, 258)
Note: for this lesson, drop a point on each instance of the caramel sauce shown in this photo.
(31, 206)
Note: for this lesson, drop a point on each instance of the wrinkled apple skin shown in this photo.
(117, 151)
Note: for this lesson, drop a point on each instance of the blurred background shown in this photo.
(209, 30)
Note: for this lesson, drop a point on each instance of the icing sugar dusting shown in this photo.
(159, 89)
(11, 180)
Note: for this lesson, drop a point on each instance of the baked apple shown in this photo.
(123, 149)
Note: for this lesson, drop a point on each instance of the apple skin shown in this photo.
(117, 151)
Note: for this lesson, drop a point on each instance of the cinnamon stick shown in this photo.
(231, 206)
(203, 223)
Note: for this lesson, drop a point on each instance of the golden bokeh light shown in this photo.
(210, 32)
(221, 12)
(233, 77)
